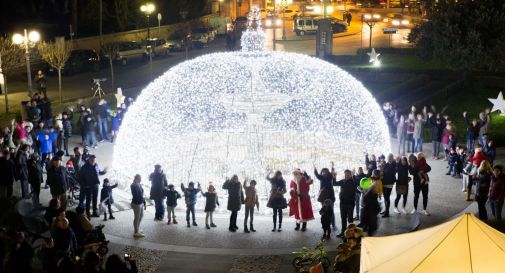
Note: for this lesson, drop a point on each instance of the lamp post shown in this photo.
(147, 9)
(283, 4)
(370, 20)
(26, 41)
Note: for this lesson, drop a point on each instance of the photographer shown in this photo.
(114, 264)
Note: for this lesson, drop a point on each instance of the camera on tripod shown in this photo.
(97, 81)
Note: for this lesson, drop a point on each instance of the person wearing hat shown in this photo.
(158, 186)
(300, 205)
(57, 181)
(89, 183)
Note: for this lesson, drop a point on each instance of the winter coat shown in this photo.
(105, 193)
(276, 199)
(251, 197)
(22, 165)
(101, 111)
(403, 175)
(437, 127)
(300, 205)
(371, 165)
(453, 159)
(89, 124)
(57, 180)
(190, 195)
(7, 171)
(445, 136)
(172, 197)
(472, 132)
(389, 174)
(211, 201)
(419, 129)
(88, 175)
(326, 215)
(401, 130)
(371, 207)
(235, 195)
(484, 125)
(137, 194)
(477, 158)
(34, 172)
(497, 188)
(67, 128)
(483, 184)
(77, 161)
(114, 123)
(347, 193)
(326, 187)
(46, 140)
(158, 186)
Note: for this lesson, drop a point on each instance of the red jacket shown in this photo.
(477, 158)
(497, 188)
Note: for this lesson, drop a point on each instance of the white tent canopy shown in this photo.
(462, 245)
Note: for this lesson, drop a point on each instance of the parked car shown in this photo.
(176, 42)
(240, 23)
(304, 25)
(289, 13)
(337, 25)
(80, 60)
(159, 46)
(128, 51)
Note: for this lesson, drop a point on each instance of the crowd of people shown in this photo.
(32, 152)
(40, 143)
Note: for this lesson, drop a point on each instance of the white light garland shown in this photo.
(246, 112)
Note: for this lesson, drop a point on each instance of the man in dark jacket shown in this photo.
(347, 197)
(22, 169)
(89, 183)
(35, 177)
(8, 175)
(67, 131)
(57, 181)
(89, 128)
(388, 181)
(102, 114)
(158, 186)
(437, 124)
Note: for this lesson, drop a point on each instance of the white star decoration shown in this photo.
(498, 103)
(374, 56)
(119, 97)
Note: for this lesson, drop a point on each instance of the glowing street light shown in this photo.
(370, 20)
(27, 41)
(148, 9)
(283, 4)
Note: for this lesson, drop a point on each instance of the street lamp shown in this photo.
(283, 4)
(370, 20)
(147, 9)
(27, 41)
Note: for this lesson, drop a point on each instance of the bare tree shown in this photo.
(11, 56)
(110, 51)
(56, 55)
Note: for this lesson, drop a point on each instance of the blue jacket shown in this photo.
(115, 122)
(190, 194)
(46, 140)
(172, 197)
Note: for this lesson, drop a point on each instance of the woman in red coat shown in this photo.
(300, 205)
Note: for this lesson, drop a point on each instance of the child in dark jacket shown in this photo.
(190, 197)
(172, 196)
(210, 205)
(106, 199)
(454, 162)
(326, 215)
(114, 123)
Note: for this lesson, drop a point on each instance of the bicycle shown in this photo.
(310, 257)
(97, 87)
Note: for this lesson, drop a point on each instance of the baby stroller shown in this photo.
(73, 184)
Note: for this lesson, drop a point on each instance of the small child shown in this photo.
(106, 198)
(114, 123)
(326, 215)
(251, 200)
(422, 168)
(453, 162)
(210, 205)
(190, 198)
(172, 196)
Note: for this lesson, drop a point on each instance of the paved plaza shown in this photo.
(176, 245)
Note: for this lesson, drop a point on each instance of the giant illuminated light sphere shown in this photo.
(249, 113)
